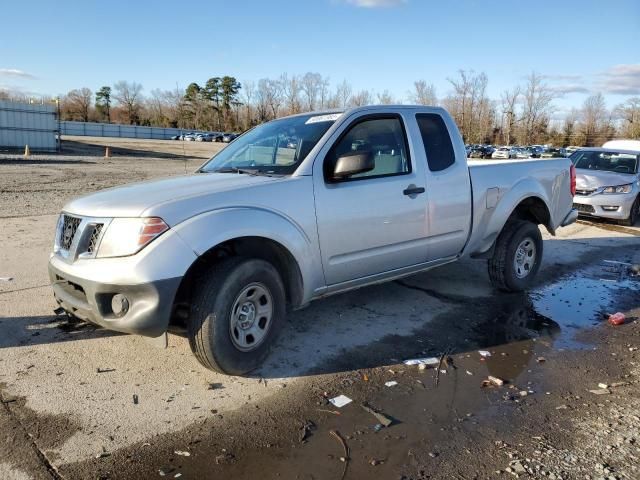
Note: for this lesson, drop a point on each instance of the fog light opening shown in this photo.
(119, 305)
(610, 208)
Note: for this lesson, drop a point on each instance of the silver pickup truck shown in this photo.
(292, 211)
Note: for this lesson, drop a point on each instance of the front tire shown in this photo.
(237, 312)
(517, 256)
(633, 215)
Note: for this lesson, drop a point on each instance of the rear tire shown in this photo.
(633, 215)
(517, 256)
(238, 310)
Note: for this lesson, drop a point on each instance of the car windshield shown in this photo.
(273, 148)
(609, 161)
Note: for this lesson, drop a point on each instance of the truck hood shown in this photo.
(590, 179)
(134, 199)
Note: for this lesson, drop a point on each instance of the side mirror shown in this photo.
(352, 163)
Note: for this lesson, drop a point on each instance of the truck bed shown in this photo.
(498, 185)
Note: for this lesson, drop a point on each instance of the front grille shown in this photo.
(93, 239)
(584, 208)
(69, 228)
(585, 192)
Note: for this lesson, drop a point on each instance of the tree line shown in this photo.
(524, 114)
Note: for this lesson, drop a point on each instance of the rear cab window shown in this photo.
(436, 141)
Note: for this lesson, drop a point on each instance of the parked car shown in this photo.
(534, 151)
(503, 153)
(521, 153)
(260, 230)
(228, 137)
(189, 137)
(571, 149)
(481, 152)
(608, 183)
(176, 137)
(554, 153)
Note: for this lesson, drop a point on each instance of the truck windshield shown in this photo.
(609, 161)
(274, 148)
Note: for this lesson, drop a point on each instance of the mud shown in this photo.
(457, 429)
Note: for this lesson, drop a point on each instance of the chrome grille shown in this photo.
(585, 192)
(69, 228)
(93, 239)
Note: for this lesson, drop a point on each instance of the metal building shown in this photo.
(30, 124)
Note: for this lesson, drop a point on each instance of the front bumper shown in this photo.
(150, 304)
(596, 205)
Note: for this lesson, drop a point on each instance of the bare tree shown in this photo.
(536, 109)
(291, 90)
(629, 113)
(325, 85)
(77, 103)
(385, 98)
(247, 96)
(269, 96)
(343, 94)
(129, 95)
(594, 119)
(310, 86)
(508, 101)
(423, 93)
(363, 97)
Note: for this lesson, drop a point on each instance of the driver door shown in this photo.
(376, 221)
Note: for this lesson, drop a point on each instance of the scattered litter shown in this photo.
(494, 381)
(146, 444)
(391, 383)
(103, 454)
(431, 361)
(562, 407)
(469, 373)
(337, 435)
(216, 386)
(365, 377)
(306, 428)
(618, 384)
(334, 412)
(617, 318)
(177, 475)
(135, 399)
(635, 269)
(601, 391)
(523, 393)
(382, 418)
(6, 279)
(377, 427)
(182, 454)
(105, 370)
(340, 401)
(541, 359)
(59, 311)
(603, 385)
(484, 353)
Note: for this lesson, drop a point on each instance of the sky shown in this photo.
(580, 46)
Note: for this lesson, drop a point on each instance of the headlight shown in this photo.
(618, 189)
(127, 236)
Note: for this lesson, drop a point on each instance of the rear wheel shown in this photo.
(633, 215)
(237, 311)
(517, 256)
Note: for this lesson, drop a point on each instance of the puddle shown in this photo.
(582, 299)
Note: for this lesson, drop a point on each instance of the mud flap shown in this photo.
(161, 342)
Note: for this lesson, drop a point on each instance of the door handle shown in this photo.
(412, 190)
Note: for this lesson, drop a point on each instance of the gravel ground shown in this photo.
(67, 389)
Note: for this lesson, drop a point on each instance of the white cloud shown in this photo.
(621, 80)
(566, 88)
(376, 3)
(14, 72)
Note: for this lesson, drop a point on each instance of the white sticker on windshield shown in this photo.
(324, 118)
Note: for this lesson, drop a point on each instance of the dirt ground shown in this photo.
(67, 389)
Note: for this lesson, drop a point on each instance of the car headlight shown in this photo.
(618, 189)
(127, 236)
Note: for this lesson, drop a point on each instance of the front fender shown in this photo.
(207, 230)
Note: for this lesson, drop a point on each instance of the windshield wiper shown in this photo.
(248, 171)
